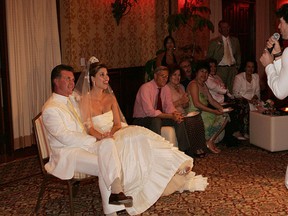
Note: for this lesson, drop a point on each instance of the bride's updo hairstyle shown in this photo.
(93, 70)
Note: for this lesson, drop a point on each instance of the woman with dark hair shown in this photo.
(167, 57)
(211, 111)
(193, 124)
(151, 166)
(246, 89)
(186, 67)
(179, 96)
(215, 84)
(246, 84)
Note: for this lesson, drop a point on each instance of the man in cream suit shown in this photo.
(276, 62)
(226, 50)
(73, 150)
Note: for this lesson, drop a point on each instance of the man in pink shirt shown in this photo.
(147, 112)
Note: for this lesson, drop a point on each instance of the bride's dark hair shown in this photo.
(94, 68)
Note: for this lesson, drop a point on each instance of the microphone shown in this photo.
(275, 36)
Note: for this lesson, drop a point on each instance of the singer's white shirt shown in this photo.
(277, 76)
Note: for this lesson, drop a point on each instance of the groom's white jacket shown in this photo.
(65, 136)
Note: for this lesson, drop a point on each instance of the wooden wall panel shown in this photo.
(241, 16)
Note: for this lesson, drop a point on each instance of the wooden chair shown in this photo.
(49, 180)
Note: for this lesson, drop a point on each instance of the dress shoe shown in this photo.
(199, 154)
(119, 199)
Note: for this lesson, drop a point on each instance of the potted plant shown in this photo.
(191, 16)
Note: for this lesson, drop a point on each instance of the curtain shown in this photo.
(33, 51)
(265, 27)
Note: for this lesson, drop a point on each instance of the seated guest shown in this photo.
(186, 67)
(179, 96)
(194, 124)
(215, 84)
(154, 108)
(246, 85)
(246, 88)
(167, 58)
(73, 150)
(159, 169)
(201, 100)
(220, 93)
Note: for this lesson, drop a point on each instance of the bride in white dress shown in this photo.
(151, 166)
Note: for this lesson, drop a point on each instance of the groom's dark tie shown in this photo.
(159, 101)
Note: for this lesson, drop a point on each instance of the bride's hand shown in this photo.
(106, 135)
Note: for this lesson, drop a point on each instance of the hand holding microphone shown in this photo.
(272, 50)
(273, 44)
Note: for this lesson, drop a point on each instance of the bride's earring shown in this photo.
(93, 81)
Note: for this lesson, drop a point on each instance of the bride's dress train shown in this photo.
(151, 166)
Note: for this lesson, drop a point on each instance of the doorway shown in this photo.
(242, 18)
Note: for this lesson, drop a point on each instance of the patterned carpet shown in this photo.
(244, 180)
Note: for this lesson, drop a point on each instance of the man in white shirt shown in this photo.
(276, 62)
(73, 150)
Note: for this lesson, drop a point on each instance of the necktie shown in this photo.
(159, 101)
(227, 53)
(75, 114)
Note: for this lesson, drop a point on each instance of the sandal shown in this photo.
(200, 153)
(211, 146)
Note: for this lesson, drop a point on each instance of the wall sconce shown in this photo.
(120, 8)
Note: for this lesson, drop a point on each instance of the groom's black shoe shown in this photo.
(121, 198)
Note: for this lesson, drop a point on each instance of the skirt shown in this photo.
(196, 132)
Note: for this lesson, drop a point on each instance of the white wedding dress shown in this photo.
(148, 164)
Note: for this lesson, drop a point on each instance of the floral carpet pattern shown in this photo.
(243, 180)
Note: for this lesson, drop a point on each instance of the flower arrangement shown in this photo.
(268, 107)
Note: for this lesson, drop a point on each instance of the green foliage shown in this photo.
(194, 13)
(192, 17)
(175, 21)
